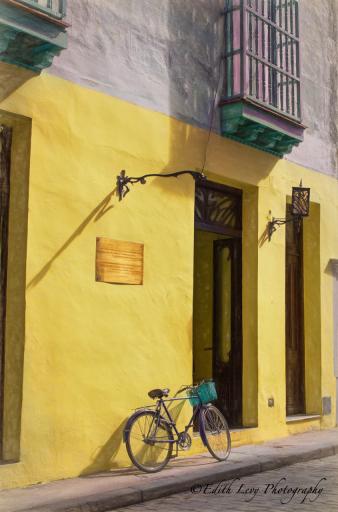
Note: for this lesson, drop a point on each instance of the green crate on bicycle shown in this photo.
(203, 394)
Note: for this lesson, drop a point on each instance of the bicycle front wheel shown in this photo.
(216, 432)
(149, 442)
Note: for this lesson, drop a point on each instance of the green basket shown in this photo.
(203, 393)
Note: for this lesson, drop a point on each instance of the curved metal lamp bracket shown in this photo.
(275, 223)
(123, 181)
(300, 208)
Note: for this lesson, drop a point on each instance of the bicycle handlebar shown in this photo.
(184, 388)
(190, 386)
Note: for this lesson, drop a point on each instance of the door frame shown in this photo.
(233, 384)
(5, 163)
(294, 320)
(204, 222)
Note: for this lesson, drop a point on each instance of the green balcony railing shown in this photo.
(54, 8)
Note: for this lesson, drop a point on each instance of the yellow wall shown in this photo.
(93, 350)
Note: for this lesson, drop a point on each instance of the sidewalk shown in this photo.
(106, 491)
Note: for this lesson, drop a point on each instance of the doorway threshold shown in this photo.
(302, 417)
(241, 429)
(233, 430)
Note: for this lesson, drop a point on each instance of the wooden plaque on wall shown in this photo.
(119, 262)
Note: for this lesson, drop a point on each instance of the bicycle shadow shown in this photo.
(104, 459)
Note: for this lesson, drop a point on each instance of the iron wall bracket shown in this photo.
(274, 223)
(123, 181)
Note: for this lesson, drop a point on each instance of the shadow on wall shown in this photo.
(332, 268)
(103, 459)
(101, 209)
(12, 77)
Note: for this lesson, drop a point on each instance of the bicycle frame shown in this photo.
(159, 417)
(161, 404)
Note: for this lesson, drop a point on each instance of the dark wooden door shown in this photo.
(227, 328)
(295, 394)
(5, 151)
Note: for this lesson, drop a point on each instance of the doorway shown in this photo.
(5, 155)
(217, 320)
(294, 318)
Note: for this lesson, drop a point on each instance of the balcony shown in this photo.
(54, 8)
(261, 104)
(32, 32)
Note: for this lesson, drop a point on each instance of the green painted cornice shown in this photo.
(28, 40)
(257, 127)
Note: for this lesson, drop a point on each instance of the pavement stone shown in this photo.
(303, 476)
(122, 488)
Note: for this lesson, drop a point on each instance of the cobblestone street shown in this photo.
(305, 486)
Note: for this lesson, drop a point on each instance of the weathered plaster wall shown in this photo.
(319, 68)
(161, 54)
(164, 55)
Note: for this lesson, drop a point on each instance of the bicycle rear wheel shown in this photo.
(216, 432)
(149, 442)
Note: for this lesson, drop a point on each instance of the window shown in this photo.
(261, 105)
(55, 8)
(262, 54)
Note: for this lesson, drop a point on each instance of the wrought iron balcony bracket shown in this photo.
(123, 181)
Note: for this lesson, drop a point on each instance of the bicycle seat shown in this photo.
(158, 393)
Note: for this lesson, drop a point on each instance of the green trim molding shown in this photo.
(28, 40)
(255, 126)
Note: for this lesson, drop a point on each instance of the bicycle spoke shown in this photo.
(148, 442)
(216, 432)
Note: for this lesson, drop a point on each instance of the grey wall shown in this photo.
(165, 55)
(162, 54)
(319, 60)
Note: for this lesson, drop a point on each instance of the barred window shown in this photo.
(262, 54)
(55, 8)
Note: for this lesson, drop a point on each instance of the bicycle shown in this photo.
(151, 433)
